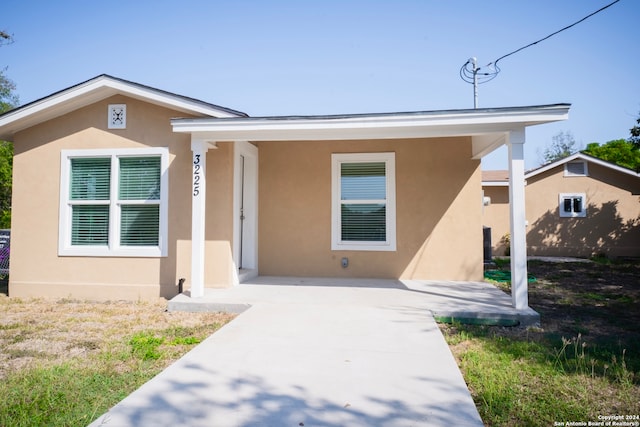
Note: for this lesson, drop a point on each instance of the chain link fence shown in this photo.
(5, 247)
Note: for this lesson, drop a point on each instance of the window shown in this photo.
(577, 168)
(572, 205)
(114, 202)
(363, 207)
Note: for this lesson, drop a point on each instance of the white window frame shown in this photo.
(113, 248)
(337, 244)
(568, 173)
(563, 196)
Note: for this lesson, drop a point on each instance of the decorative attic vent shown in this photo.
(117, 116)
(578, 168)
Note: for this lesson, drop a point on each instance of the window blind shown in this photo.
(139, 225)
(90, 182)
(363, 181)
(90, 178)
(364, 222)
(139, 178)
(90, 225)
(363, 196)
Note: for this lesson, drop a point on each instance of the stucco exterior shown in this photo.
(294, 205)
(495, 215)
(611, 225)
(235, 196)
(36, 268)
(439, 233)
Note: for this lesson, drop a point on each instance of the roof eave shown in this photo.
(97, 89)
(479, 122)
(581, 156)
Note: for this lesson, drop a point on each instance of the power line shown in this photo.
(553, 34)
(470, 72)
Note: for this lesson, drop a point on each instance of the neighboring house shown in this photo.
(578, 206)
(120, 190)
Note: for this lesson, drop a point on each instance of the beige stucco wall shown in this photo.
(438, 208)
(612, 222)
(36, 268)
(496, 216)
(611, 226)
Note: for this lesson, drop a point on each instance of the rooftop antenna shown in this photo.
(470, 73)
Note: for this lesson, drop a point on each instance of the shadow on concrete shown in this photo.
(251, 400)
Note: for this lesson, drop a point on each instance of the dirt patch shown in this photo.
(598, 301)
(51, 332)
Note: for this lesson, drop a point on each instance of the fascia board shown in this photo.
(606, 164)
(164, 99)
(336, 133)
(413, 125)
(90, 92)
(549, 166)
(502, 120)
(580, 156)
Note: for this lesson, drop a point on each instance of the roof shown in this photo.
(97, 89)
(501, 177)
(495, 178)
(580, 156)
(489, 128)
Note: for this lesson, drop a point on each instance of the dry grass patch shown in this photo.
(63, 362)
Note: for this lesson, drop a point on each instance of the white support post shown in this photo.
(199, 149)
(519, 285)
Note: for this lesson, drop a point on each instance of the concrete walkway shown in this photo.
(317, 352)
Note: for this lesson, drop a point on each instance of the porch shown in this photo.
(447, 301)
(302, 157)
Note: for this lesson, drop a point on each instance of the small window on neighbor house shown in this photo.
(363, 202)
(577, 168)
(572, 205)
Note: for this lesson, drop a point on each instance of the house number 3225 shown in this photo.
(196, 174)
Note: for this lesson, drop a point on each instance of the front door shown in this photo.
(245, 210)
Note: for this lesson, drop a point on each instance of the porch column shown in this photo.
(199, 149)
(519, 285)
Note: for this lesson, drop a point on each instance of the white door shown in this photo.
(245, 252)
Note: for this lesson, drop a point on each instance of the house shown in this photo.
(120, 190)
(579, 206)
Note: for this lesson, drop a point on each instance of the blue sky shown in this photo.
(333, 57)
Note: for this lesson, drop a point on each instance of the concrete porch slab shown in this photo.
(463, 302)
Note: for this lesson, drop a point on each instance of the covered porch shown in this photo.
(483, 130)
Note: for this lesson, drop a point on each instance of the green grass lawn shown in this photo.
(524, 382)
(584, 361)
